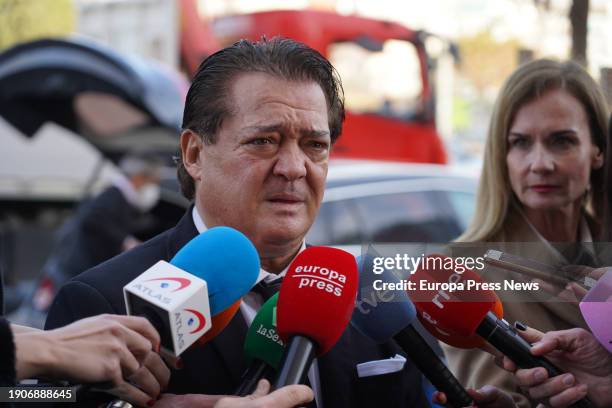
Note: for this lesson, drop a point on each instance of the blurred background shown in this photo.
(83, 83)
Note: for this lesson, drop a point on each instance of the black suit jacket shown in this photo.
(93, 235)
(216, 368)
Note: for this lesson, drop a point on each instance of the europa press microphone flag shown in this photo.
(469, 312)
(315, 303)
(205, 278)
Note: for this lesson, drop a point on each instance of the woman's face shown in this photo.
(550, 152)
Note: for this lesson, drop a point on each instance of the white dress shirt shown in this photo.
(251, 303)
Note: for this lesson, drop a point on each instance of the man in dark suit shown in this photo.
(259, 123)
(103, 226)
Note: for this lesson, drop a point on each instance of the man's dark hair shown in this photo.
(208, 99)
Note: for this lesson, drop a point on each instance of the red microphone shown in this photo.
(462, 305)
(426, 309)
(315, 304)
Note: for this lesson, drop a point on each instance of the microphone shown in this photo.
(381, 319)
(207, 276)
(263, 348)
(226, 259)
(596, 308)
(468, 312)
(315, 304)
(427, 309)
(219, 323)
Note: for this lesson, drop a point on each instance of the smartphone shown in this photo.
(529, 267)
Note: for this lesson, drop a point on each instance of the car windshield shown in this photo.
(386, 82)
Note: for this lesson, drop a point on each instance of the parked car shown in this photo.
(383, 202)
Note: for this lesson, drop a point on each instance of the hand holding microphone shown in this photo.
(577, 352)
(207, 277)
(466, 313)
(104, 348)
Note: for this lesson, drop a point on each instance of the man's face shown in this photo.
(265, 174)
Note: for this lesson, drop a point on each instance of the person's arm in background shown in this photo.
(587, 364)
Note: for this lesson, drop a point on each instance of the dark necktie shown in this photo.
(267, 289)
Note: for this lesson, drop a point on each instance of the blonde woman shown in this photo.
(542, 182)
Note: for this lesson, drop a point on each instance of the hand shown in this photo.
(151, 378)
(574, 291)
(576, 351)
(285, 397)
(486, 397)
(97, 349)
(187, 401)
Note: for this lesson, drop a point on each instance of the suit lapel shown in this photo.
(333, 369)
(229, 344)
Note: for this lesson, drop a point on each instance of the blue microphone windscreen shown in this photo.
(226, 259)
(380, 314)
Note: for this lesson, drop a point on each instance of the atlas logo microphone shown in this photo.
(201, 285)
(179, 302)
